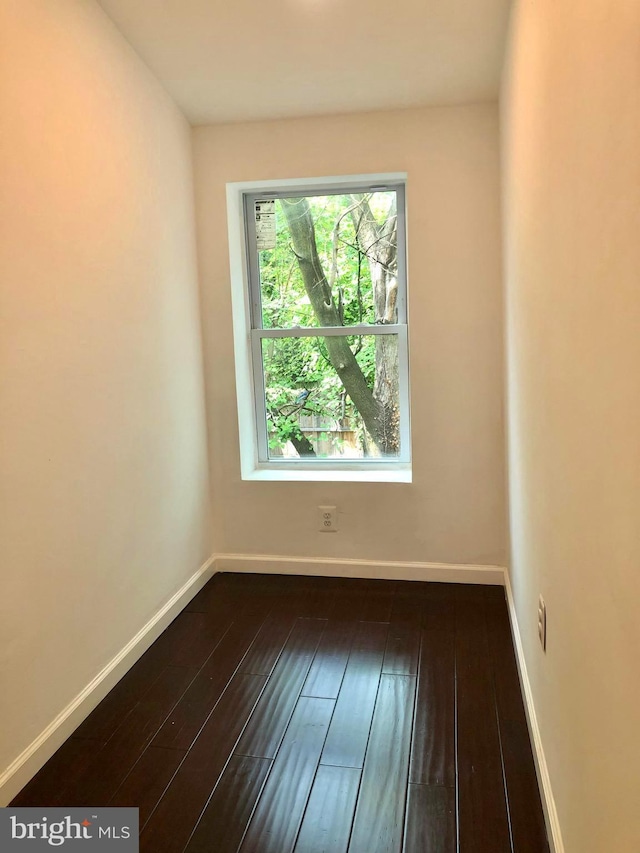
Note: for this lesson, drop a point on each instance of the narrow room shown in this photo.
(319, 417)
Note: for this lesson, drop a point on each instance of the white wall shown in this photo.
(104, 504)
(454, 510)
(572, 211)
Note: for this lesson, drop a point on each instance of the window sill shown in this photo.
(386, 474)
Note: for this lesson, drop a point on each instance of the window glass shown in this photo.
(309, 410)
(342, 241)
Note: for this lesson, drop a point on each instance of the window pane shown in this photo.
(332, 397)
(327, 260)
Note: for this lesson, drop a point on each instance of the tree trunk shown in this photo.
(302, 444)
(379, 244)
(319, 292)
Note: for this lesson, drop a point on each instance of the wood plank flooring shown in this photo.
(282, 714)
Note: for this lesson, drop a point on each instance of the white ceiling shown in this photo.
(231, 60)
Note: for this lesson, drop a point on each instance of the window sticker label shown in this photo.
(265, 214)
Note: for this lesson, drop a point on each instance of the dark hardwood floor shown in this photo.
(316, 715)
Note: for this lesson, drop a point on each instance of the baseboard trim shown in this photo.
(385, 570)
(27, 764)
(544, 781)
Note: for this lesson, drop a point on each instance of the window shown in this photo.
(325, 306)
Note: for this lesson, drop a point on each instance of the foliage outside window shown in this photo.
(328, 316)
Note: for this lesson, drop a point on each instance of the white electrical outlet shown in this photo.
(328, 519)
(542, 623)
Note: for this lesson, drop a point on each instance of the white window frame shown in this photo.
(248, 336)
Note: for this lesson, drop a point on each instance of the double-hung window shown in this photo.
(325, 303)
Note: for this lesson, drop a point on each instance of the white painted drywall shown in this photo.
(571, 118)
(104, 492)
(454, 511)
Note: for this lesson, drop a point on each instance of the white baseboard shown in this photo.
(544, 781)
(331, 567)
(27, 764)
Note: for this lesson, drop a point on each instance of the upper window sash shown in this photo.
(253, 254)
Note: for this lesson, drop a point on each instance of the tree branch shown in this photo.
(343, 360)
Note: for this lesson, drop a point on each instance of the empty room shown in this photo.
(319, 419)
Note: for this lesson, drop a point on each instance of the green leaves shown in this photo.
(284, 300)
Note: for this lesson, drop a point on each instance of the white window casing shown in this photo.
(249, 336)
